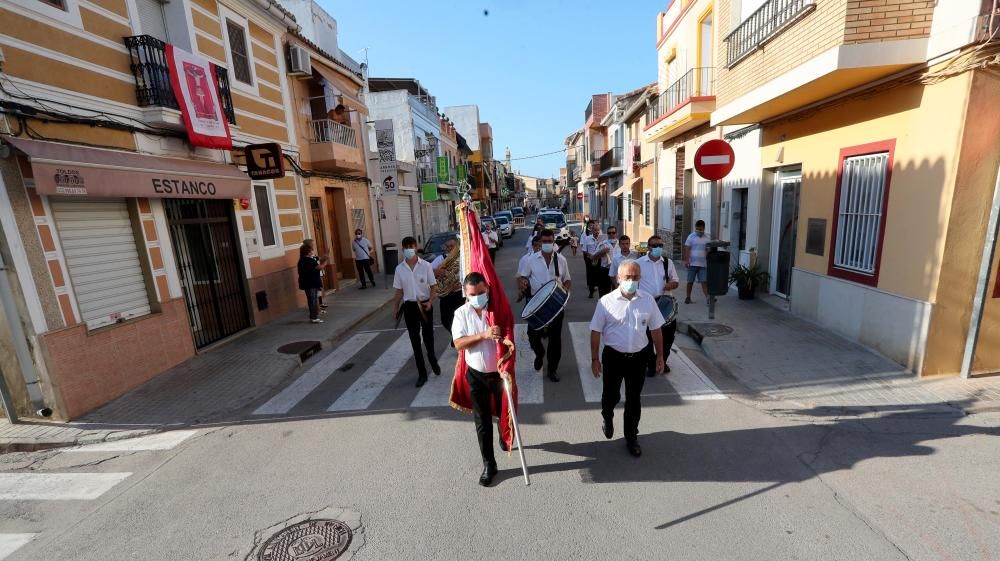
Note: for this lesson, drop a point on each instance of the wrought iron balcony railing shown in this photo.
(152, 77)
(773, 17)
(326, 130)
(611, 159)
(697, 82)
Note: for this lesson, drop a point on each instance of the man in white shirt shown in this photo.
(539, 269)
(535, 247)
(588, 245)
(622, 319)
(363, 259)
(659, 279)
(696, 259)
(624, 253)
(478, 340)
(449, 302)
(607, 249)
(492, 240)
(415, 286)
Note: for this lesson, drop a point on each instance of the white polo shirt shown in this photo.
(613, 251)
(415, 283)
(491, 239)
(622, 322)
(588, 244)
(617, 260)
(524, 259)
(652, 280)
(362, 249)
(538, 272)
(483, 355)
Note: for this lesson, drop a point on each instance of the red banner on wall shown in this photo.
(195, 87)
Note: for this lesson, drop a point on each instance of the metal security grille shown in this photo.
(859, 218)
(647, 207)
(209, 262)
(238, 49)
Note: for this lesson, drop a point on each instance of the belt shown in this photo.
(625, 355)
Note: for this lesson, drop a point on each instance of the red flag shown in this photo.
(196, 88)
(476, 258)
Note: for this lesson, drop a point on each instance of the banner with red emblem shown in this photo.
(196, 89)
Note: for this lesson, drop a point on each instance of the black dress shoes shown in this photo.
(633, 448)
(489, 472)
(421, 380)
(436, 368)
(554, 376)
(608, 428)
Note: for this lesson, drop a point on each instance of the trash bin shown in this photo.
(390, 258)
(718, 272)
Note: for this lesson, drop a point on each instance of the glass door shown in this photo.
(786, 219)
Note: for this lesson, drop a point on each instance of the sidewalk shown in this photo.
(780, 356)
(210, 385)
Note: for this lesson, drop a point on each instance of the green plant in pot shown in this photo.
(748, 280)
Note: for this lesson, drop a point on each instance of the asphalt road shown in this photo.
(719, 479)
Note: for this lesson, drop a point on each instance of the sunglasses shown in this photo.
(655, 245)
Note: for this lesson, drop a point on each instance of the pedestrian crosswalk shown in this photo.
(381, 366)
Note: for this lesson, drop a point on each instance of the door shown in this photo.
(341, 234)
(210, 266)
(319, 235)
(786, 219)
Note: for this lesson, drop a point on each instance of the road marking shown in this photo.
(316, 375)
(9, 543)
(160, 441)
(437, 390)
(714, 160)
(689, 381)
(530, 388)
(592, 387)
(57, 486)
(367, 388)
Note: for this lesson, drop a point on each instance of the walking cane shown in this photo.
(517, 431)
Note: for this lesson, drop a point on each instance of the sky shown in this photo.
(530, 66)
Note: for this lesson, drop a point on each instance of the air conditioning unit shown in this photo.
(298, 61)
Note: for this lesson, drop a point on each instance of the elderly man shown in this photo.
(622, 319)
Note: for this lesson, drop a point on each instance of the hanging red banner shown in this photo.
(196, 89)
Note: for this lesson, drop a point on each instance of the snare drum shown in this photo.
(545, 305)
(668, 307)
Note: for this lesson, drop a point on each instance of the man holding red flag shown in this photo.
(483, 331)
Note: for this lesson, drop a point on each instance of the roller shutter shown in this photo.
(405, 216)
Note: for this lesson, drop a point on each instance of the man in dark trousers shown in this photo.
(659, 279)
(535, 271)
(448, 278)
(622, 319)
(415, 286)
(363, 257)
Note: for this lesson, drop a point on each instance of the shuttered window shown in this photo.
(239, 50)
(647, 207)
(265, 214)
(405, 217)
(859, 217)
(101, 254)
(152, 20)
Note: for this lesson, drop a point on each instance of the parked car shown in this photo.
(517, 211)
(505, 213)
(489, 219)
(555, 220)
(435, 245)
(506, 227)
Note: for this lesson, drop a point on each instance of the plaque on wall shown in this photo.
(816, 236)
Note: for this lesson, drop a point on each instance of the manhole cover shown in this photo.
(699, 331)
(312, 540)
(304, 349)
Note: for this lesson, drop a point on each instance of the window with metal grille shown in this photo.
(240, 52)
(647, 207)
(859, 216)
(629, 208)
(265, 215)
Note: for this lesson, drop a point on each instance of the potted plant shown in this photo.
(748, 280)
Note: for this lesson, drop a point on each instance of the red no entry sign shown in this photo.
(579, 196)
(714, 160)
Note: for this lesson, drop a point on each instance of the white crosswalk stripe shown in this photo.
(9, 543)
(689, 381)
(530, 388)
(437, 390)
(592, 387)
(316, 375)
(159, 441)
(367, 388)
(57, 486)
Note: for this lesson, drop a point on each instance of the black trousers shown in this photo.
(591, 281)
(486, 390)
(364, 268)
(619, 367)
(554, 332)
(449, 304)
(669, 331)
(493, 254)
(602, 280)
(420, 326)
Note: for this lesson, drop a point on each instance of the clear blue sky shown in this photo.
(529, 65)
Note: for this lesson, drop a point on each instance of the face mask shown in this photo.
(548, 247)
(357, 236)
(613, 241)
(701, 234)
(630, 286)
(409, 253)
(656, 252)
(479, 301)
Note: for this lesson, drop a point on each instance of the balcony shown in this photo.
(333, 146)
(611, 161)
(686, 104)
(148, 61)
(763, 25)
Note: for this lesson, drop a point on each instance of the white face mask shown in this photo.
(630, 286)
(409, 253)
(548, 247)
(479, 301)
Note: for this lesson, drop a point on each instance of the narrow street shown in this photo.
(352, 439)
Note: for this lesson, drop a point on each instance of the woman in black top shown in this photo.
(310, 279)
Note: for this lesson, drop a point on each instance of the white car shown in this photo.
(556, 221)
(506, 227)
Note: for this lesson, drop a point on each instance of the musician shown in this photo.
(415, 289)
(449, 287)
(607, 249)
(588, 244)
(477, 339)
(659, 279)
(539, 269)
(622, 319)
(536, 246)
(624, 252)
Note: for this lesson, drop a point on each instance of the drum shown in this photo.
(668, 307)
(545, 305)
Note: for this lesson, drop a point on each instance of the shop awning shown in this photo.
(66, 169)
(619, 191)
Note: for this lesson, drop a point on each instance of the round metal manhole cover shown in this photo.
(312, 540)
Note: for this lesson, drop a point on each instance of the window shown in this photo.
(647, 207)
(265, 216)
(862, 190)
(238, 50)
(629, 204)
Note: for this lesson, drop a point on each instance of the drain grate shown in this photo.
(312, 540)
